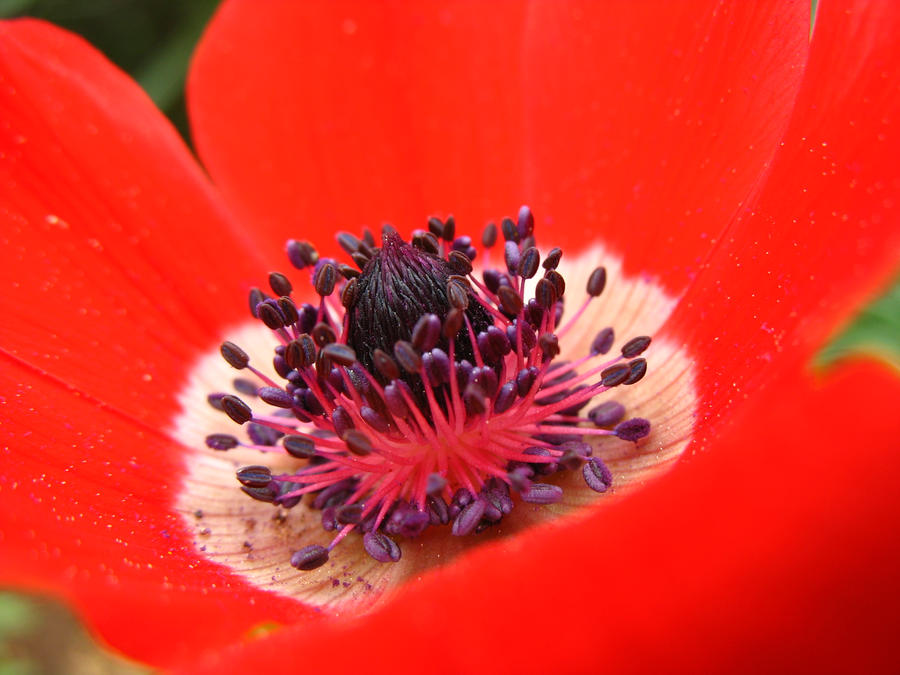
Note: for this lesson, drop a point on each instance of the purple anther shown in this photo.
(541, 468)
(349, 514)
(385, 364)
(407, 356)
(323, 334)
(255, 297)
(462, 498)
(525, 379)
(596, 282)
(311, 403)
(580, 448)
(520, 478)
(234, 355)
(276, 397)
(606, 414)
(635, 346)
(542, 493)
(552, 260)
(498, 340)
(597, 476)
(393, 396)
(485, 378)
(280, 284)
(558, 281)
(505, 398)
(426, 332)
(436, 482)
(549, 344)
(492, 513)
(299, 447)
(267, 494)
(492, 279)
(459, 262)
(329, 519)
(215, 399)
(221, 441)
(374, 419)
(438, 366)
(309, 557)
(632, 430)
(529, 262)
(413, 522)
(301, 253)
(636, 371)
(510, 301)
(358, 380)
(325, 278)
(381, 547)
(449, 228)
(603, 341)
(341, 421)
(357, 442)
(511, 255)
(281, 366)
(497, 494)
(244, 386)
(509, 230)
(525, 222)
(468, 519)
(342, 355)
(270, 314)
(463, 373)
(349, 242)
(334, 494)
(438, 512)
(475, 400)
(255, 476)
(262, 435)
(529, 339)
(236, 409)
(484, 347)
(308, 315)
(489, 235)
(614, 375)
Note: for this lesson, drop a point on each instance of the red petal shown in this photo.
(822, 237)
(119, 265)
(776, 549)
(119, 268)
(628, 119)
(88, 512)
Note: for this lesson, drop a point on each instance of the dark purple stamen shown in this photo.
(309, 557)
(633, 429)
(607, 414)
(394, 373)
(381, 547)
(597, 476)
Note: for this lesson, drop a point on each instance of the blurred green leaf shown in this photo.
(874, 332)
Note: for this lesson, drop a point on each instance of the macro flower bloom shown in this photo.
(738, 171)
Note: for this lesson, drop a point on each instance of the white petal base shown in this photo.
(256, 540)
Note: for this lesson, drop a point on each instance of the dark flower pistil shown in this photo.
(417, 393)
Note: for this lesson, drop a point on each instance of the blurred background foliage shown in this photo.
(150, 39)
(153, 41)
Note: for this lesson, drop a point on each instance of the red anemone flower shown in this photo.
(747, 181)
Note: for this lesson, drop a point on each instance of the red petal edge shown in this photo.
(821, 238)
(776, 551)
(316, 116)
(112, 281)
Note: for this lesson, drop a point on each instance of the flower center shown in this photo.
(416, 393)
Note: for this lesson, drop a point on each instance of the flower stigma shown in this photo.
(418, 392)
